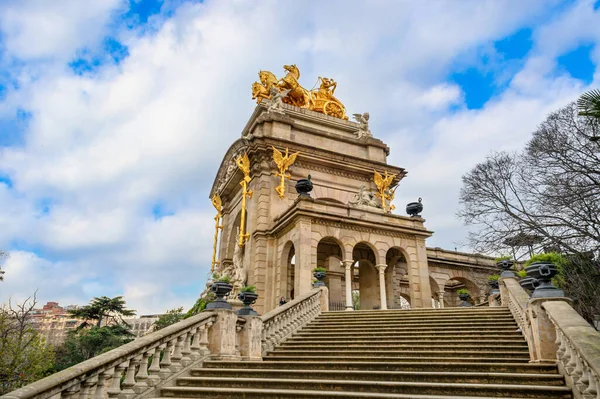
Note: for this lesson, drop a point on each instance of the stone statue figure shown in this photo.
(230, 170)
(365, 198)
(277, 97)
(363, 120)
(238, 272)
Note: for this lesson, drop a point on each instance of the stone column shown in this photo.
(222, 335)
(440, 296)
(349, 278)
(382, 296)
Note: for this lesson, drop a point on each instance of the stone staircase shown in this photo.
(421, 354)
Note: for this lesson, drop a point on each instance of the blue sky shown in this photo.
(114, 117)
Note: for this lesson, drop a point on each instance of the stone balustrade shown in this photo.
(283, 321)
(556, 333)
(578, 352)
(139, 362)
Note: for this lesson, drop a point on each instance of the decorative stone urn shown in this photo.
(494, 285)
(414, 208)
(221, 289)
(506, 266)
(248, 298)
(529, 283)
(543, 272)
(304, 187)
(320, 276)
(465, 300)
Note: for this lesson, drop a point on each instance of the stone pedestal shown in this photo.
(250, 339)
(543, 332)
(222, 335)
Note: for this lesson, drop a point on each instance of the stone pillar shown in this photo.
(222, 335)
(349, 278)
(418, 276)
(304, 249)
(504, 290)
(440, 296)
(324, 299)
(543, 332)
(382, 296)
(251, 339)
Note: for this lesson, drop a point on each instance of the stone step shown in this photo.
(411, 322)
(417, 311)
(433, 352)
(390, 365)
(449, 389)
(250, 393)
(410, 330)
(511, 334)
(358, 358)
(432, 341)
(413, 317)
(416, 324)
(475, 346)
(404, 376)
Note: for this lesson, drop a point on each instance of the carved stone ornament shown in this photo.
(363, 120)
(365, 198)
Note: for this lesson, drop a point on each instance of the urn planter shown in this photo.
(320, 276)
(304, 187)
(495, 288)
(221, 289)
(414, 208)
(543, 272)
(506, 266)
(465, 300)
(248, 298)
(529, 283)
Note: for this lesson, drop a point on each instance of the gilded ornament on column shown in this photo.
(216, 201)
(383, 189)
(283, 163)
(320, 99)
(243, 163)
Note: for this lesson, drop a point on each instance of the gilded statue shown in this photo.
(319, 100)
(283, 163)
(243, 163)
(383, 188)
(217, 203)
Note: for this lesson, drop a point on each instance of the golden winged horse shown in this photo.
(383, 184)
(283, 163)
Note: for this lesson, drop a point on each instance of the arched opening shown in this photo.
(288, 271)
(396, 280)
(366, 280)
(457, 283)
(329, 256)
(435, 297)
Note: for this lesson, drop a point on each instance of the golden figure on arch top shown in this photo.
(383, 189)
(320, 100)
(283, 163)
(243, 163)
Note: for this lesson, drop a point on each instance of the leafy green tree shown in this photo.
(88, 343)
(103, 309)
(171, 317)
(200, 304)
(589, 104)
(24, 355)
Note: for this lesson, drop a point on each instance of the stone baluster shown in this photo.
(348, 278)
(129, 381)
(165, 363)
(115, 388)
(177, 356)
(154, 369)
(186, 351)
(382, 294)
(204, 338)
(70, 393)
(141, 378)
(87, 387)
(195, 346)
(593, 390)
(100, 387)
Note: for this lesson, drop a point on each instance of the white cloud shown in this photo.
(153, 129)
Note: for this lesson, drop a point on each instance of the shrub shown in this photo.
(319, 270)
(493, 277)
(221, 278)
(462, 291)
(248, 288)
(552, 257)
(502, 257)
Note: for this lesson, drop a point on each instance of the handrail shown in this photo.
(180, 344)
(517, 303)
(578, 353)
(283, 321)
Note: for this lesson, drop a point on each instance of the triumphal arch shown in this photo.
(269, 236)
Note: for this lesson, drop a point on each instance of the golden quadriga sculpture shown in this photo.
(319, 100)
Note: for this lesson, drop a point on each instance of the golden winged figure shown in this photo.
(243, 162)
(283, 163)
(383, 183)
(217, 203)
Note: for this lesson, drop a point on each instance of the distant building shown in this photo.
(54, 322)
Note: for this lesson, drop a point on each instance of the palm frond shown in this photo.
(589, 103)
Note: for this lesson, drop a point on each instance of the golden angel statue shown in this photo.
(243, 162)
(383, 184)
(283, 163)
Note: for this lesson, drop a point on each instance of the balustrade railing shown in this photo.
(516, 299)
(139, 362)
(283, 321)
(578, 353)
